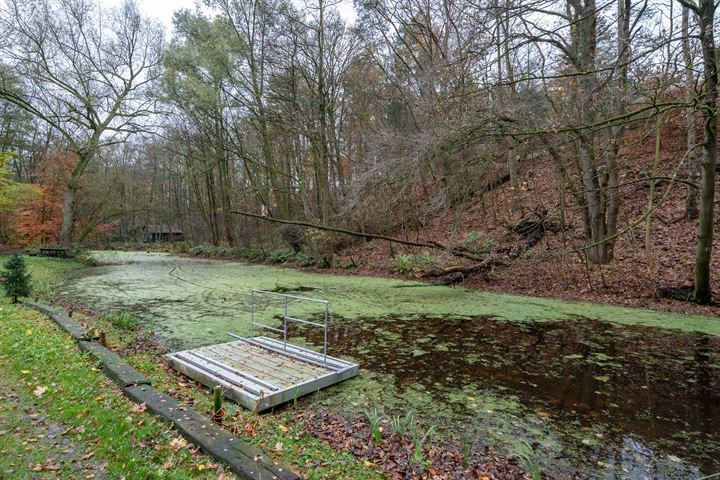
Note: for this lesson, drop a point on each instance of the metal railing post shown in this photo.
(326, 330)
(285, 325)
(252, 314)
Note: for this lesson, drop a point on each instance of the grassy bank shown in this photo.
(61, 418)
(47, 272)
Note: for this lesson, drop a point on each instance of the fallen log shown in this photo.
(467, 270)
(454, 250)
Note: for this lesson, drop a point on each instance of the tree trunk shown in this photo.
(68, 223)
(691, 211)
(649, 256)
(69, 201)
(617, 134)
(706, 14)
(513, 159)
(598, 246)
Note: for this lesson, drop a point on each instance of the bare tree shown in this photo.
(705, 11)
(84, 71)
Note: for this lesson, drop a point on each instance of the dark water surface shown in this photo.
(628, 402)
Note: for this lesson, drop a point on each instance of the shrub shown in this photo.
(250, 252)
(281, 255)
(294, 235)
(90, 261)
(303, 259)
(478, 241)
(206, 250)
(122, 320)
(16, 280)
(413, 263)
(178, 247)
(348, 264)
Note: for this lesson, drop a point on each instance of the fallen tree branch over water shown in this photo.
(456, 251)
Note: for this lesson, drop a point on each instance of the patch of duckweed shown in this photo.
(197, 301)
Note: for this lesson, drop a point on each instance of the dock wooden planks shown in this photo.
(260, 372)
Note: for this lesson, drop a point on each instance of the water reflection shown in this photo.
(633, 402)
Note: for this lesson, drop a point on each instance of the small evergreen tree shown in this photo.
(16, 280)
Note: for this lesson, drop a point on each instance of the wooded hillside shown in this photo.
(565, 148)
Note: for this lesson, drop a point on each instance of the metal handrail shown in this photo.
(287, 317)
(278, 294)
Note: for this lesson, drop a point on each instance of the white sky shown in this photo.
(163, 10)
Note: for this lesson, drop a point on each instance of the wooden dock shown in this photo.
(260, 372)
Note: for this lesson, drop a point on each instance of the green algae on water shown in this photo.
(205, 299)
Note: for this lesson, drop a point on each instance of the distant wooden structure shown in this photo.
(163, 233)
(58, 252)
(261, 372)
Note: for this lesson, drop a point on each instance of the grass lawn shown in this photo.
(60, 417)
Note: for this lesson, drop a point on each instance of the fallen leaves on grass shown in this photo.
(49, 465)
(200, 467)
(138, 408)
(178, 443)
(38, 392)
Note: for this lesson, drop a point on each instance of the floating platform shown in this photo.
(261, 372)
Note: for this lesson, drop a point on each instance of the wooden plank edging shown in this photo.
(243, 459)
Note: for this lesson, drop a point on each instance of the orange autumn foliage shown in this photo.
(40, 220)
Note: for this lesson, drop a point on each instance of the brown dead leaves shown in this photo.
(138, 408)
(394, 456)
(49, 465)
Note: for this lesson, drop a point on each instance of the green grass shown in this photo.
(47, 272)
(44, 368)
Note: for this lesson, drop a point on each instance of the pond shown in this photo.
(597, 391)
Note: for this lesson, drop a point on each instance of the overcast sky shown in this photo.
(163, 10)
